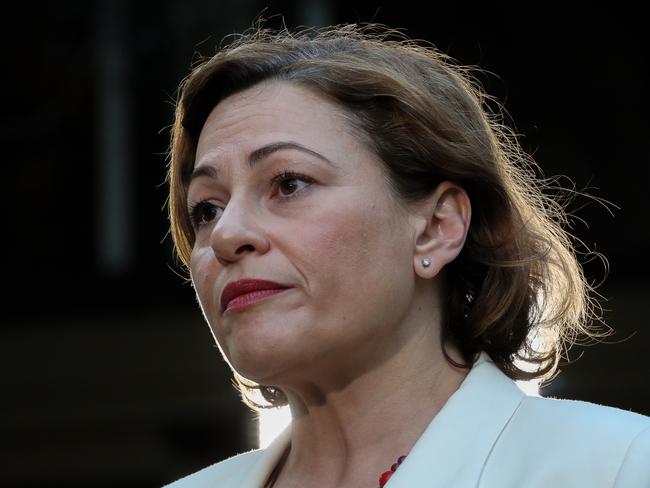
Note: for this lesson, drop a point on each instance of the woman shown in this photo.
(370, 246)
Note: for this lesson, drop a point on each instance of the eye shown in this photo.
(286, 180)
(202, 213)
(288, 183)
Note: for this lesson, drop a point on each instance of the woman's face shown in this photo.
(332, 233)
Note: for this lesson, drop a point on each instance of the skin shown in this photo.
(355, 343)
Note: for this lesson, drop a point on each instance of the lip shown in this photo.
(241, 287)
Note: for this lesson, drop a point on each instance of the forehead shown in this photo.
(269, 112)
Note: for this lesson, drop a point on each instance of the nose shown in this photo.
(236, 234)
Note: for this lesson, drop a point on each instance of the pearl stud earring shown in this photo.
(426, 262)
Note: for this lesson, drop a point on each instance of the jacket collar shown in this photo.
(454, 447)
(258, 475)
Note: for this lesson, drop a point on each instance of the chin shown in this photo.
(262, 348)
(256, 362)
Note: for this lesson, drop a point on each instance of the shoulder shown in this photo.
(576, 442)
(578, 419)
(247, 469)
(228, 472)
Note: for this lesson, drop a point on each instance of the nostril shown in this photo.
(246, 247)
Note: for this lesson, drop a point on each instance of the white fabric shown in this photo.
(490, 434)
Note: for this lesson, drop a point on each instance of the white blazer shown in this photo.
(490, 434)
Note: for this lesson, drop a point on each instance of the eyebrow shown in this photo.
(258, 155)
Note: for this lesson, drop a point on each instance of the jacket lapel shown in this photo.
(455, 446)
(259, 473)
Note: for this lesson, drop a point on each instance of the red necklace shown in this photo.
(383, 479)
(385, 476)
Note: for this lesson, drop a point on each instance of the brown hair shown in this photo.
(428, 120)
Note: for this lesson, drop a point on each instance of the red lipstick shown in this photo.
(242, 293)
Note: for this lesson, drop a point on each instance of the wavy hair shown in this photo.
(517, 290)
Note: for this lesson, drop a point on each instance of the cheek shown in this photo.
(203, 274)
(348, 254)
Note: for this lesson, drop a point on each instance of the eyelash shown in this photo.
(278, 178)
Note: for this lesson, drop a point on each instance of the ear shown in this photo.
(441, 223)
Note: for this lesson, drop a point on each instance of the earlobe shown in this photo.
(427, 268)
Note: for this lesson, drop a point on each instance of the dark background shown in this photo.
(109, 375)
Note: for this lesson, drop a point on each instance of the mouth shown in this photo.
(245, 292)
(249, 299)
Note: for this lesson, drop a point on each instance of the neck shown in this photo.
(349, 435)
